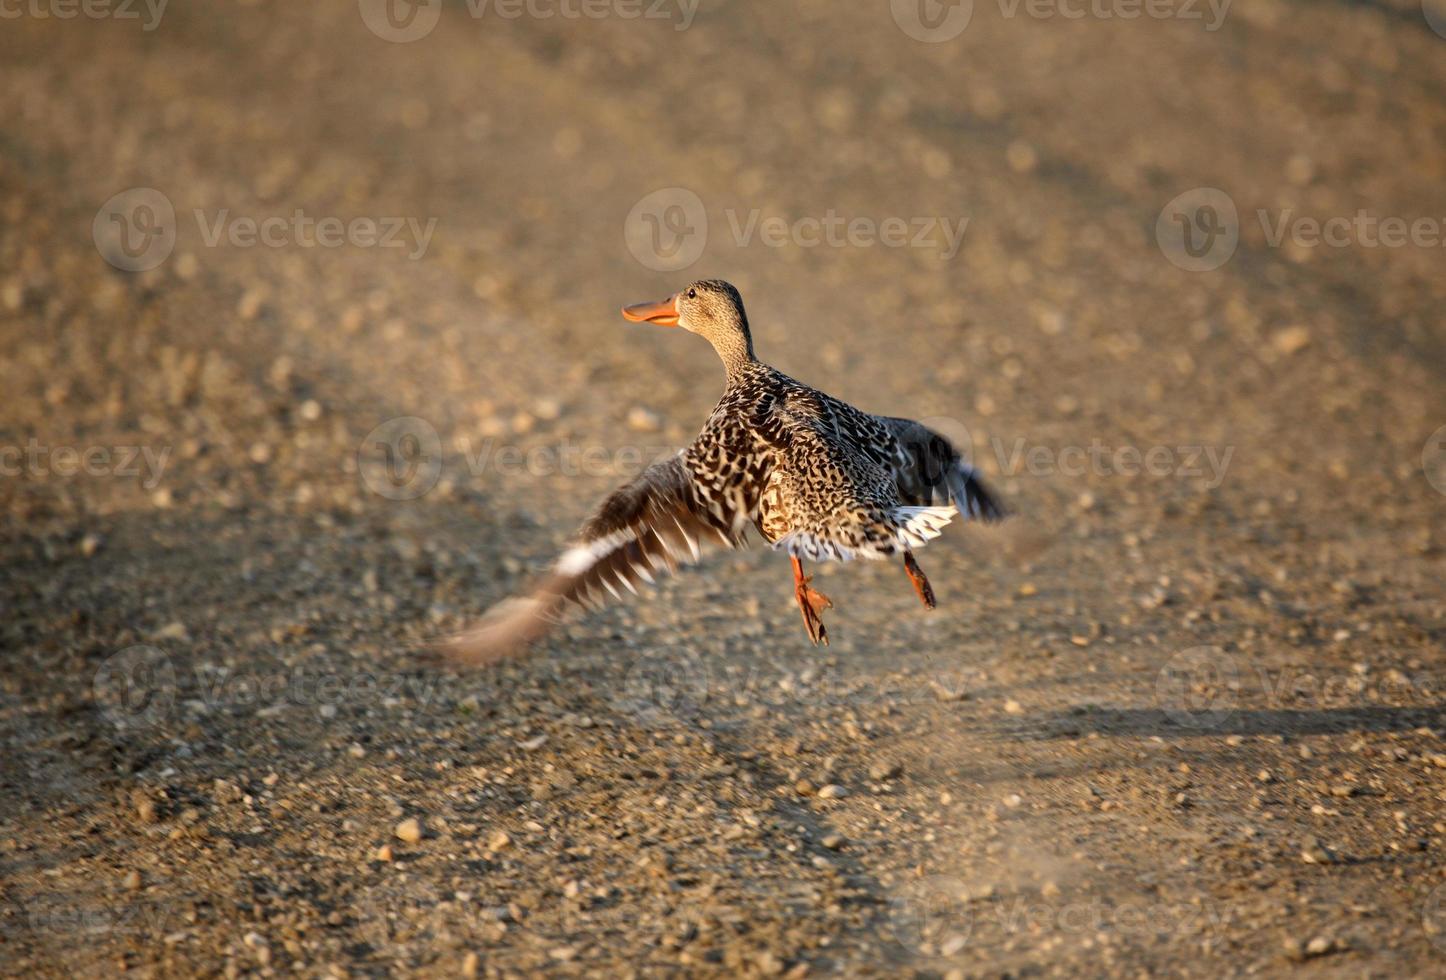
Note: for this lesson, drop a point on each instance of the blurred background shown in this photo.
(312, 352)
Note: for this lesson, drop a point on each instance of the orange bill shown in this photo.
(664, 312)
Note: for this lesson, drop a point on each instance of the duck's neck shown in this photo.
(735, 350)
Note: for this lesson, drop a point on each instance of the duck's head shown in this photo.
(710, 308)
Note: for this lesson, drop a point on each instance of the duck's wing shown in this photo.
(929, 470)
(652, 524)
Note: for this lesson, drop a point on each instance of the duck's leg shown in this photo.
(920, 580)
(812, 604)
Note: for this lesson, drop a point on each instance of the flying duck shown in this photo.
(816, 477)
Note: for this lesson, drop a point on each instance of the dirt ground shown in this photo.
(311, 352)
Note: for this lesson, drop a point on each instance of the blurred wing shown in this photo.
(930, 471)
(649, 525)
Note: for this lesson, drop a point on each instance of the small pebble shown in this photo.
(409, 831)
(642, 420)
(952, 945)
(1313, 851)
(881, 771)
(1291, 339)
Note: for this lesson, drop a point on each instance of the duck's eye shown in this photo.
(692, 294)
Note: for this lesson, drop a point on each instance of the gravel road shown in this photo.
(311, 353)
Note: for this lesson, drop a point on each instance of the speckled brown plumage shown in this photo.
(815, 476)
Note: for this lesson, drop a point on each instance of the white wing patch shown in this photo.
(577, 560)
(913, 528)
(920, 525)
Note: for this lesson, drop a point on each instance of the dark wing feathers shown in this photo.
(651, 524)
(930, 471)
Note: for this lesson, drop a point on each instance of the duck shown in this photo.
(817, 478)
